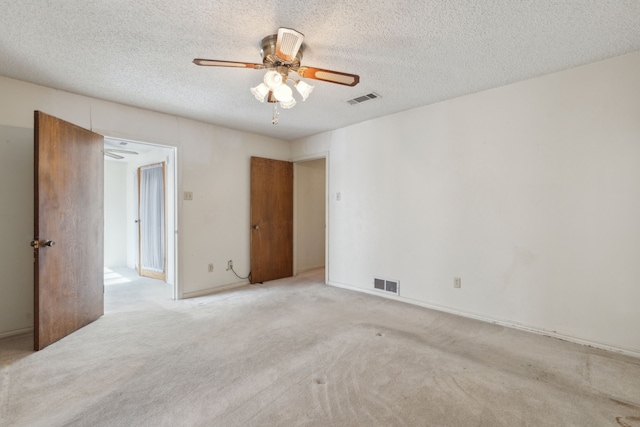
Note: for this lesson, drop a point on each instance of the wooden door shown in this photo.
(271, 219)
(152, 242)
(68, 230)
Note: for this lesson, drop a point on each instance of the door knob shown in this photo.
(255, 227)
(36, 243)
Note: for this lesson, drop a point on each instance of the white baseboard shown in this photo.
(304, 270)
(501, 322)
(215, 290)
(17, 332)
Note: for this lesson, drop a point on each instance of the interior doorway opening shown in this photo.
(310, 215)
(122, 204)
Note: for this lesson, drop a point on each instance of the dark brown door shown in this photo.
(271, 219)
(69, 228)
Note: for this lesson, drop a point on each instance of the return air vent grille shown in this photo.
(363, 98)
(392, 286)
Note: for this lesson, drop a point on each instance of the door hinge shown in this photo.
(35, 244)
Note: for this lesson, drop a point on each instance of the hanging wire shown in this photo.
(242, 278)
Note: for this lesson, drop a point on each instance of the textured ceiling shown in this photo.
(411, 53)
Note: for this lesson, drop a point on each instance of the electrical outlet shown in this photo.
(188, 195)
(457, 282)
(211, 268)
(230, 265)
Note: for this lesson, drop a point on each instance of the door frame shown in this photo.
(300, 159)
(160, 276)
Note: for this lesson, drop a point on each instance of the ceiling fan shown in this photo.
(281, 55)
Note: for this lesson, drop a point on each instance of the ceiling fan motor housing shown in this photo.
(271, 60)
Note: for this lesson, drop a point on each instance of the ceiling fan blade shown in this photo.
(288, 44)
(115, 150)
(329, 76)
(216, 63)
(115, 156)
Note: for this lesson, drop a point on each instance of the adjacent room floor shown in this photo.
(297, 352)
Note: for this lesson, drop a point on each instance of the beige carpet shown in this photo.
(295, 352)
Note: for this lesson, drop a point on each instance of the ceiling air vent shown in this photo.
(363, 98)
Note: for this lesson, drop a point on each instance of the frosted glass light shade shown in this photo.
(273, 80)
(304, 89)
(288, 104)
(283, 93)
(260, 91)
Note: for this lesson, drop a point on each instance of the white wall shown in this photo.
(310, 195)
(115, 214)
(16, 229)
(530, 193)
(212, 161)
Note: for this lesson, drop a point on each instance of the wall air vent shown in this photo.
(392, 286)
(364, 98)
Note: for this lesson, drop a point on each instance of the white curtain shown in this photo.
(152, 217)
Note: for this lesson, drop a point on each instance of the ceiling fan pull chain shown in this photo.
(274, 120)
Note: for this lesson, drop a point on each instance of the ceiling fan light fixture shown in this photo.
(260, 91)
(288, 104)
(273, 80)
(283, 94)
(304, 89)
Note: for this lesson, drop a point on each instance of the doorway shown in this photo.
(310, 218)
(121, 204)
